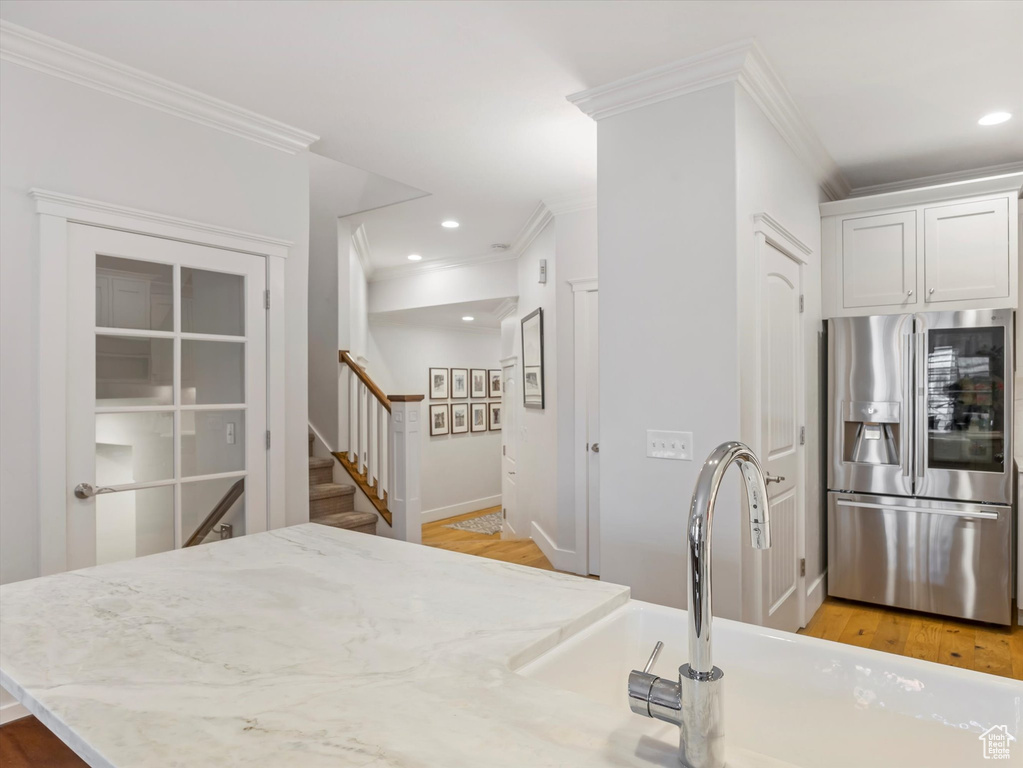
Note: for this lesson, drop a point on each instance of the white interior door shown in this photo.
(513, 528)
(592, 434)
(781, 376)
(166, 393)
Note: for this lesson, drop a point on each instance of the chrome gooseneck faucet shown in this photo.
(694, 703)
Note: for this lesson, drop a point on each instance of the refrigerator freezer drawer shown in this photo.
(941, 557)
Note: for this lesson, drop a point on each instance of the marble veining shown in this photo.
(308, 646)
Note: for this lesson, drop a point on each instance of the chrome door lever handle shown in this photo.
(769, 478)
(86, 491)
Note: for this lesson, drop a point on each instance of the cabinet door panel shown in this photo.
(966, 251)
(879, 260)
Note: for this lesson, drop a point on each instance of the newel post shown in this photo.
(403, 451)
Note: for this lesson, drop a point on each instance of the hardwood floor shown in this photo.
(26, 743)
(521, 551)
(981, 647)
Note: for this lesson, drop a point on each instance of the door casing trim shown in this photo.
(56, 211)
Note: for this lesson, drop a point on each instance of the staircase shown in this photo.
(333, 504)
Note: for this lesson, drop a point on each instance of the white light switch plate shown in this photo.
(669, 445)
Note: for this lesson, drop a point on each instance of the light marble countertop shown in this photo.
(309, 646)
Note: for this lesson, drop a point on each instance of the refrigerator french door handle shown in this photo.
(921, 410)
(907, 437)
(982, 515)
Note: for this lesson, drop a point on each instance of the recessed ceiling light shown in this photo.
(449, 224)
(414, 257)
(468, 318)
(994, 118)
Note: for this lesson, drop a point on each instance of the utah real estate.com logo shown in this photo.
(996, 740)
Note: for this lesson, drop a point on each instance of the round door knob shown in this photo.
(909, 293)
(930, 291)
(595, 447)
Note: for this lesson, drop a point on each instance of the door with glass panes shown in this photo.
(166, 395)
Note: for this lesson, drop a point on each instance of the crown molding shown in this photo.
(535, 224)
(577, 201)
(742, 63)
(464, 328)
(1006, 183)
(439, 265)
(94, 212)
(59, 59)
(506, 308)
(361, 243)
(938, 179)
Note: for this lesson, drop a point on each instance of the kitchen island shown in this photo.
(306, 646)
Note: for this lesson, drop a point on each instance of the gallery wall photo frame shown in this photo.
(478, 417)
(439, 384)
(495, 416)
(440, 423)
(532, 360)
(494, 382)
(478, 383)
(459, 383)
(459, 418)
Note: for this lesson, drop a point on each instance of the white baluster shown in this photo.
(353, 415)
(371, 442)
(381, 413)
(361, 405)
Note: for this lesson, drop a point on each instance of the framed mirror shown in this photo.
(532, 360)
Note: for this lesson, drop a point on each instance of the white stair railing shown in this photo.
(383, 448)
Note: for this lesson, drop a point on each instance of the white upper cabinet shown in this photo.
(879, 260)
(966, 251)
(949, 247)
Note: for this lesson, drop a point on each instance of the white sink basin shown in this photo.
(797, 700)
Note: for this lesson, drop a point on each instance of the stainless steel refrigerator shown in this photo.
(920, 469)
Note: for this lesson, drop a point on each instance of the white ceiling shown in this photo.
(487, 315)
(466, 100)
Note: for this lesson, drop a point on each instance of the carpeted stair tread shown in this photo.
(348, 520)
(315, 462)
(329, 491)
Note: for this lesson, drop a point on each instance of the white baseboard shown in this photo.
(815, 594)
(442, 513)
(561, 559)
(12, 711)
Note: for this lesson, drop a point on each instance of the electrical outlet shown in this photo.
(669, 445)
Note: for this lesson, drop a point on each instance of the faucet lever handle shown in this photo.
(653, 657)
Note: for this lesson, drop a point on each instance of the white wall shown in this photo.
(492, 280)
(537, 466)
(668, 335)
(324, 284)
(575, 259)
(68, 138)
(460, 473)
(680, 183)
(772, 180)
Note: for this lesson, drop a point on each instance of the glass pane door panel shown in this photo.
(212, 372)
(212, 442)
(201, 497)
(131, 370)
(212, 302)
(966, 399)
(134, 447)
(134, 523)
(134, 294)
